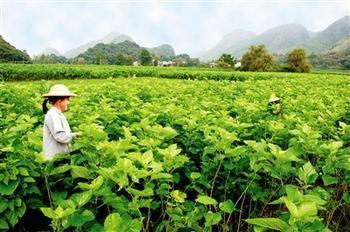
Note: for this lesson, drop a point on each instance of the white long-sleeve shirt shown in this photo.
(57, 134)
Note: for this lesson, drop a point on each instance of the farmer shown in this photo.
(57, 134)
(275, 106)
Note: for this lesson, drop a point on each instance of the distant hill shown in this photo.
(113, 37)
(49, 51)
(164, 51)
(342, 46)
(228, 44)
(325, 40)
(126, 48)
(9, 53)
(279, 39)
(282, 39)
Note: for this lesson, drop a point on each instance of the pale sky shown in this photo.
(189, 26)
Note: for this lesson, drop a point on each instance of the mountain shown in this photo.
(326, 39)
(279, 39)
(49, 51)
(164, 51)
(8, 53)
(282, 39)
(113, 37)
(228, 44)
(127, 49)
(342, 46)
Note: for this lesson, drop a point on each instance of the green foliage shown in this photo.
(297, 61)
(11, 72)
(50, 59)
(9, 53)
(145, 57)
(206, 200)
(123, 59)
(180, 155)
(270, 223)
(335, 60)
(226, 61)
(121, 53)
(257, 58)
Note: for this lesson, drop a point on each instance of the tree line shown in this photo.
(256, 58)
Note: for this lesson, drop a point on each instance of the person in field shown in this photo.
(275, 106)
(57, 134)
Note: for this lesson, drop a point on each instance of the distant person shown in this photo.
(57, 134)
(275, 106)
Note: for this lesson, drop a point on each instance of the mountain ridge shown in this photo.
(283, 38)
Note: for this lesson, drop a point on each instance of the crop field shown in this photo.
(20, 72)
(175, 154)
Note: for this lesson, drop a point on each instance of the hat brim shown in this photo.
(60, 95)
(274, 99)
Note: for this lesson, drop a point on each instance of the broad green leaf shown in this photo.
(147, 157)
(8, 189)
(134, 226)
(195, 175)
(81, 198)
(12, 218)
(97, 183)
(291, 207)
(29, 179)
(80, 172)
(334, 146)
(96, 228)
(206, 200)
(270, 223)
(23, 171)
(170, 152)
(346, 197)
(293, 193)
(328, 180)
(113, 222)
(21, 210)
(3, 206)
(164, 132)
(162, 176)
(58, 213)
(3, 224)
(212, 218)
(307, 209)
(50, 213)
(179, 196)
(148, 192)
(227, 206)
(307, 173)
(79, 219)
(60, 169)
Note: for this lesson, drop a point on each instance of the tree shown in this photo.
(123, 59)
(145, 57)
(81, 60)
(155, 61)
(101, 58)
(257, 58)
(193, 62)
(297, 61)
(226, 61)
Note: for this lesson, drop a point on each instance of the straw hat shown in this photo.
(273, 98)
(59, 90)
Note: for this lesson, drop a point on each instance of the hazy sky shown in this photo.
(189, 26)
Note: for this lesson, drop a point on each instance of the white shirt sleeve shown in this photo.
(55, 125)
